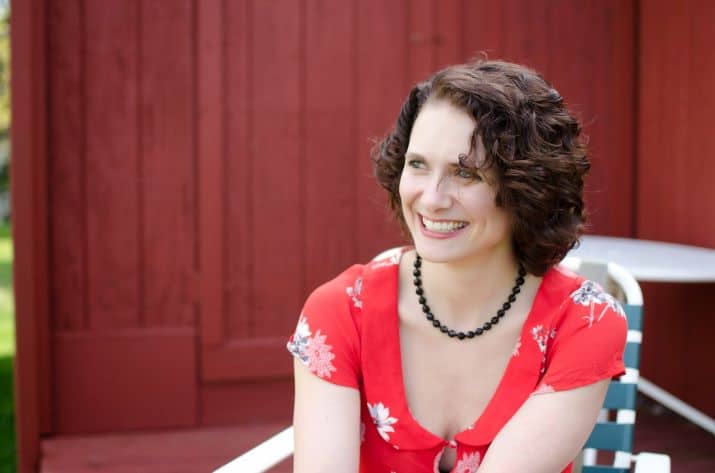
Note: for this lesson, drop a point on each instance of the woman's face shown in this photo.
(449, 209)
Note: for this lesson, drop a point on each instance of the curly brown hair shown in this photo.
(532, 142)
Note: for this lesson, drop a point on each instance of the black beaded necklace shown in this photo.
(417, 273)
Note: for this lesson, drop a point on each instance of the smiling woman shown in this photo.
(471, 349)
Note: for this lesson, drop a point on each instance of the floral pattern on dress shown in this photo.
(591, 294)
(515, 351)
(312, 351)
(469, 463)
(541, 337)
(382, 420)
(392, 260)
(543, 388)
(354, 292)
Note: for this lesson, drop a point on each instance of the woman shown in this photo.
(471, 350)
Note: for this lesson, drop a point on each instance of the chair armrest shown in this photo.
(652, 463)
(263, 456)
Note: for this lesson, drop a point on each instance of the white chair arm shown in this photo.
(652, 463)
(262, 457)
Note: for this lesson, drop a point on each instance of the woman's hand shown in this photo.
(326, 418)
(547, 432)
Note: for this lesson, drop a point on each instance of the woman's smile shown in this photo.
(440, 228)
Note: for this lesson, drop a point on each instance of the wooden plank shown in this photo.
(422, 39)
(278, 154)
(210, 167)
(329, 187)
(525, 32)
(449, 33)
(167, 162)
(238, 109)
(113, 187)
(129, 379)
(173, 451)
(68, 206)
(249, 358)
(383, 84)
(247, 402)
(482, 25)
(29, 227)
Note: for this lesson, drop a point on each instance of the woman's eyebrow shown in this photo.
(412, 154)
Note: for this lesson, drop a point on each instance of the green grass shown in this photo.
(7, 354)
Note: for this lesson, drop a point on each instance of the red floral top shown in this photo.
(348, 334)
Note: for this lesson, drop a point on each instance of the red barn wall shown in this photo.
(675, 195)
(208, 165)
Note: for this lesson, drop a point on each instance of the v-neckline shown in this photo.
(401, 391)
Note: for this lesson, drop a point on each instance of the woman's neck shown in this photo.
(466, 294)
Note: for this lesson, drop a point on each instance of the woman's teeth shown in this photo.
(442, 226)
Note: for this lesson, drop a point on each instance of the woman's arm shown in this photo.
(547, 432)
(326, 418)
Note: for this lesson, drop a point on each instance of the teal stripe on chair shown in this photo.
(634, 315)
(631, 355)
(611, 436)
(620, 396)
(604, 469)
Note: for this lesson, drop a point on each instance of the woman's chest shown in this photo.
(449, 383)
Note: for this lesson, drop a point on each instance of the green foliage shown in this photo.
(7, 354)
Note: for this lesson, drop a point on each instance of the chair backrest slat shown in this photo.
(611, 436)
(604, 469)
(621, 396)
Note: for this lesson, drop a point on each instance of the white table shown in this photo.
(654, 261)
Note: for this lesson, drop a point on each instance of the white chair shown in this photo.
(615, 436)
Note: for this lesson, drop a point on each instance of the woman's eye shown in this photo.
(414, 163)
(466, 173)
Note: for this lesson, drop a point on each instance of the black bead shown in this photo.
(416, 272)
(419, 291)
(520, 280)
(512, 297)
(500, 313)
(418, 282)
(516, 290)
(487, 325)
(443, 329)
(436, 323)
(495, 320)
(418, 262)
(425, 308)
(429, 316)
(461, 335)
(471, 333)
(507, 306)
(452, 333)
(479, 331)
(422, 300)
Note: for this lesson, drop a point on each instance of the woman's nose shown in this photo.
(436, 194)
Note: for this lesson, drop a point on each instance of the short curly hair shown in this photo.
(532, 141)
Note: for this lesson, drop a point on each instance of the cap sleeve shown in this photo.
(326, 338)
(588, 345)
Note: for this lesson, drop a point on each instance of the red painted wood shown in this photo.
(675, 194)
(68, 206)
(482, 28)
(247, 403)
(166, 173)
(383, 84)
(422, 39)
(329, 132)
(248, 358)
(112, 175)
(174, 451)
(210, 168)
(128, 379)
(278, 162)
(237, 183)
(449, 33)
(29, 228)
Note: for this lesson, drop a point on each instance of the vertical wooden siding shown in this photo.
(676, 200)
(123, 217)
(307, 87)
(209, 165)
